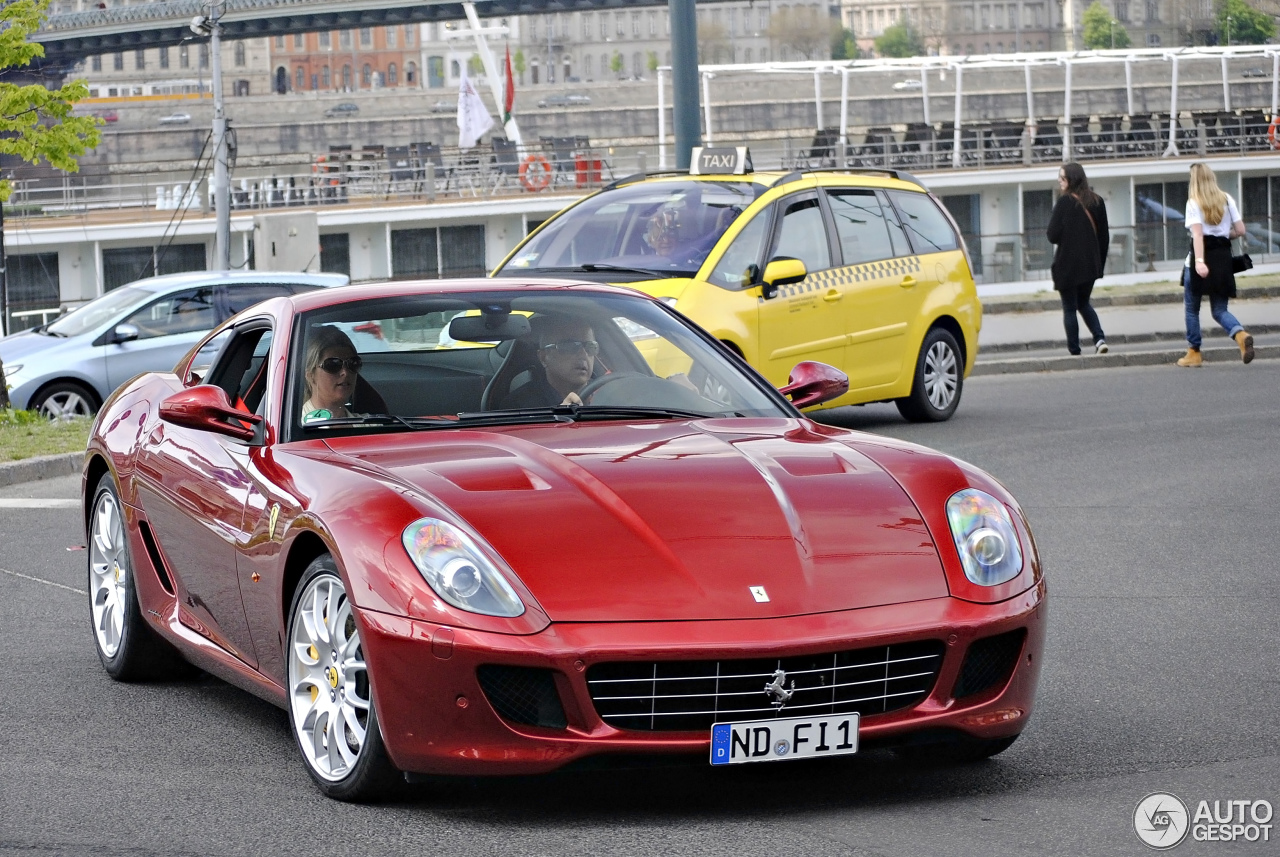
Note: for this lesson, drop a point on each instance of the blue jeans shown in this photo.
(1217, 306)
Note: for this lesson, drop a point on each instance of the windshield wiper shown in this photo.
(413, 423)
(622, 412)
(593, 267)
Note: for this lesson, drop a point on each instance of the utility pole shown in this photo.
(221, 177)
(684, 79)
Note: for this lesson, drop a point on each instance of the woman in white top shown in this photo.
(1214, 219)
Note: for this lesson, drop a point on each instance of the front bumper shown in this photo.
(436, 719)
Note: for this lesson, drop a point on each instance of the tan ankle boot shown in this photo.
(1245, 341)
(1191, 358)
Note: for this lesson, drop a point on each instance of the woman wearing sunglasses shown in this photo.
(332, 366)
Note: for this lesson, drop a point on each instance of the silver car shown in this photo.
(71, 365)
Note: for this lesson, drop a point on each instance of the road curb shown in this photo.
(1124, 339)
(1069, 363)
(40, 467)
(1173, 296)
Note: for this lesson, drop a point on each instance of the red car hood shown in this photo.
(676, 520)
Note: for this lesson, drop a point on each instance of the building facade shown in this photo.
(181, 70)
(354, 60)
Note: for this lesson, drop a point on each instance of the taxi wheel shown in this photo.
(331, 709)
(128, 648)
(939, 379)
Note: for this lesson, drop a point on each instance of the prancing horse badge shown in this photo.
(758, 593)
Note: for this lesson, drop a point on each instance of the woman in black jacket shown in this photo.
(1079, 228)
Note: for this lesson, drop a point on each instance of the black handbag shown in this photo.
(1241, 263)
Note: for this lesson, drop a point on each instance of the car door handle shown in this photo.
(833, 295)
(908, 281)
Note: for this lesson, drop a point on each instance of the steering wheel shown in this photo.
(596, 383)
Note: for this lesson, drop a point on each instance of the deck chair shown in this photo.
(505, 162)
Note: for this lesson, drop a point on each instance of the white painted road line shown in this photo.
(45, 582)
(36, 503)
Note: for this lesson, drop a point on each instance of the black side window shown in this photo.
(928, 227)
(868, 230)
(235, 297)
(241, 370)
(803, 235)
(188, 311)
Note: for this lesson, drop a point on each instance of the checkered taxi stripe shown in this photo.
(899, 266)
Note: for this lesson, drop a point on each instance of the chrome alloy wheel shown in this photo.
(108, 574)
(66, 405)
(941, 375)
(328, 681)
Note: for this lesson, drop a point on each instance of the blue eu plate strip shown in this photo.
(721, 734)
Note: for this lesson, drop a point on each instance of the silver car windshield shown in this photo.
(642, 231)
(99, 311)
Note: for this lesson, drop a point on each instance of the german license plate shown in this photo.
(783, 738)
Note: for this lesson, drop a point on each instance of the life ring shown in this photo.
(1271, 131)
(535, 173)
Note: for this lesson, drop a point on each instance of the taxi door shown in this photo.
(804, 320)
(881, 279)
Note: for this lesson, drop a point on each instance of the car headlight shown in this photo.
(455, 567)
(984, 537)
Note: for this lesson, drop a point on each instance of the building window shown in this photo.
(408, 35)
(455, 70)
(299, 78)
(366, 75)
(366, 37)
(1153, 15)
(326, 77)
(184, 57)
(204, 56)
(279, 43)
(297, 41)
(139, 59)
(393, 75)
(117, 62)
(239, 55)
(410, 73)
(635, 25)
(1153, 40)
(620, 22)
(326, 40)
(95, 62)
(1013, 18)
(391, 37)
(344, 39)
(1122, 11)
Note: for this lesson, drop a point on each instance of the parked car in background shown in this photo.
(107, 116)
(345, 108)
(175, 119)
(70, 366)
(907, 85)
(1255, 72)
(444, 106)
(565, 99)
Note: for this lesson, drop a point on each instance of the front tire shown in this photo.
(128, 648)
(331, 711)
(65, 400)
(938, 380)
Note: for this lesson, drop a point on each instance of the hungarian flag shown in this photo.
(509, 91)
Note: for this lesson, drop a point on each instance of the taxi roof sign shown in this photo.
(732, 160)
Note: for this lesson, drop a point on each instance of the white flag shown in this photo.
(473, 117)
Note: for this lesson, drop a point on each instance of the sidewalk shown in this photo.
(1145, 326)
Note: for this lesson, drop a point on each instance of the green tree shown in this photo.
(807, 30)
(713, 43)
(1101, 31)
(518, 64)
(616, 63)
(1238, 23)
(652, 62)
(900, 40)
(475, 65)
(35, 122)
(844, 46)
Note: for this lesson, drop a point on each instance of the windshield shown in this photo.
(643, 231)
(99, 311)
(507, 358)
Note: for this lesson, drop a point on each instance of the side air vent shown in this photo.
(523, 695)
(989, 663)
(153, 554)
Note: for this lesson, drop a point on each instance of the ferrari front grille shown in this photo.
(523, 695)
(692, 695)
(989, 662)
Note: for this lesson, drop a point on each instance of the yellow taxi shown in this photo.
(864, 270)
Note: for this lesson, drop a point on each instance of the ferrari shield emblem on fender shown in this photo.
(758, 593)
(271, 523)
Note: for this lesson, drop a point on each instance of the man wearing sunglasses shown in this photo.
(332, 367)
(567, 350)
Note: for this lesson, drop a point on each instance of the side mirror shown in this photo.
(124, 332)
(784, 272)
(812, 383)
(207, 408)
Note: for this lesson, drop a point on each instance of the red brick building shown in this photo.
(347, 60)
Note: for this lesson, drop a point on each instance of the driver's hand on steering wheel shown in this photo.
(572, 399)
(683, 380)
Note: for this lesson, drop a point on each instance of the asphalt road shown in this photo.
(1153, 493)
